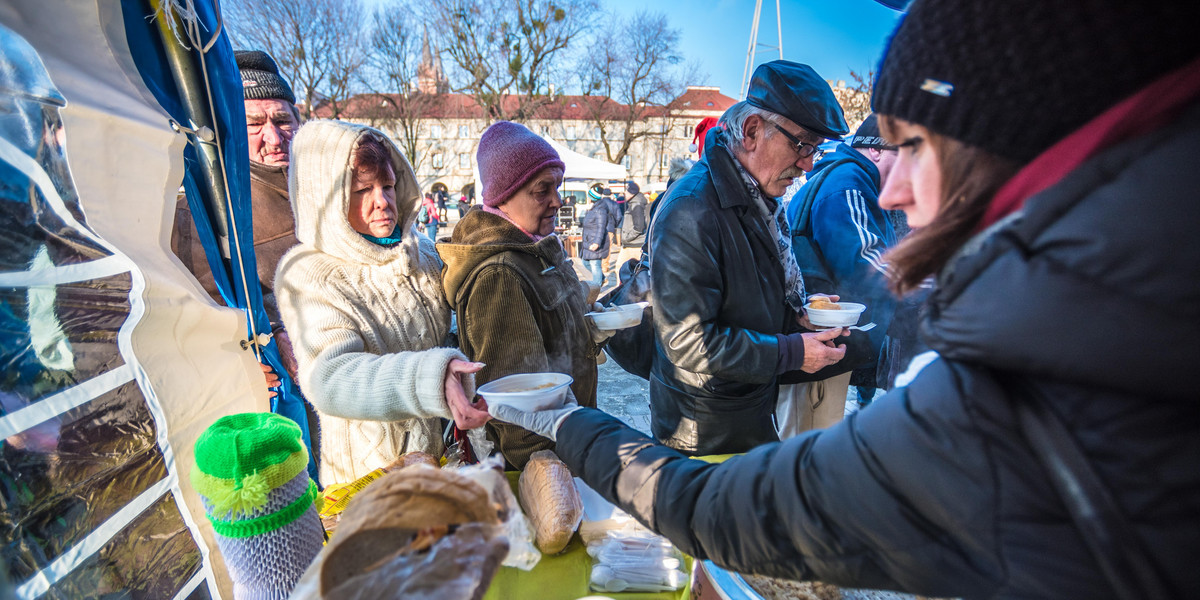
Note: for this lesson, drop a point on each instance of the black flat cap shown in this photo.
(796, 91)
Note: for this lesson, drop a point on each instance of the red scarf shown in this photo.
(1155, 106)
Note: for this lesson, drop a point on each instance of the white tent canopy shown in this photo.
(584, 167)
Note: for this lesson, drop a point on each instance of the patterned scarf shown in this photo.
(777, 223)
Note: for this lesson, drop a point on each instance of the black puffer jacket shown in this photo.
(1090, 300)
(718, 296)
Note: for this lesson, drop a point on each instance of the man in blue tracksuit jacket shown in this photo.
(840, 235)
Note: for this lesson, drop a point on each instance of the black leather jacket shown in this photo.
(718, 294)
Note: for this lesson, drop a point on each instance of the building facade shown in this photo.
(444, 128)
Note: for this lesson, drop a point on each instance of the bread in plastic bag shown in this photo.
(489, 473)
(551, 501)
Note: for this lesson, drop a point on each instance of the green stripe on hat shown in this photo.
(249, 492)
(267, 523)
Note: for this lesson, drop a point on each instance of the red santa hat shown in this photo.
(698, 138)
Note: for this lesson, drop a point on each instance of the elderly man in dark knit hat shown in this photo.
(271, 121)
(727, 292)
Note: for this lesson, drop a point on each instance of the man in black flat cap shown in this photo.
(727, 292)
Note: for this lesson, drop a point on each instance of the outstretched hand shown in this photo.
(542, 422)
(599, 336)
(466, 415)
(820, 351)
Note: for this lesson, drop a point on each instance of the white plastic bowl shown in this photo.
(626, 315)
(528, 391)
(848, 315)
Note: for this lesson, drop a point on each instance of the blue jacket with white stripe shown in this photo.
(850, 233)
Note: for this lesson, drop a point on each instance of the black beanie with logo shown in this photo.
(1014, 77)
(260, 77)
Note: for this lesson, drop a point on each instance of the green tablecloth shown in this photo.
(563, 576)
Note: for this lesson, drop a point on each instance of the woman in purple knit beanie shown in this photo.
(519, 301)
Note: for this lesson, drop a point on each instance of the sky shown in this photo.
(832, 36)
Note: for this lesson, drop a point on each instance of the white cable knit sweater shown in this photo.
(365, 320)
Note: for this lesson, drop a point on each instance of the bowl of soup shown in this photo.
(528, 391)
(823, 313)
(618, 317)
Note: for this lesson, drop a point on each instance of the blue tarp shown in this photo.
(230, 123)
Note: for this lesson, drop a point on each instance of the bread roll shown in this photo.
(414, 458)
(551, 501)
(387, 516)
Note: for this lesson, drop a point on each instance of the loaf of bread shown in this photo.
(405, 510)
(414, 458)
(551, 502)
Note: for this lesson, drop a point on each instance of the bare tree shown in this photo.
(506, 51)
(391, 101)
(315, 43)
(631, 77)
(856, 99)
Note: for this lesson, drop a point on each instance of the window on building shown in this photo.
(464, 131)
(571, 133)
(626, 162)
(464, 160)
(596, 133)
(435, 131)
(687, 131)
(437, 160)
(666, 161)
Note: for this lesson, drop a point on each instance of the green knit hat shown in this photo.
(241, 458)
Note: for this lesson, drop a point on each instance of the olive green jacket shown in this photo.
(520, 309)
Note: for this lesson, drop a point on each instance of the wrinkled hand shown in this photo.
(466, 415)
(272, 379)
(542, 422)
(802, 318)
(598, 336)
(819, 350)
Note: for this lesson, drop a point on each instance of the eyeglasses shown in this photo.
(804, 149)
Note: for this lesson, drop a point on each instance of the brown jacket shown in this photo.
(520, 310)
(274, 234)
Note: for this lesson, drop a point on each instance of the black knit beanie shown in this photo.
(1014, 77)
(260, 77)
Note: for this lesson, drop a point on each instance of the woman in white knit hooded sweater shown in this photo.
(361, 296)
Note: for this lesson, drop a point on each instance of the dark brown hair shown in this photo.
(971, 176)
(371, 157)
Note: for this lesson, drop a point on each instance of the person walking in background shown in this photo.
(441, 198)
(633, 225)
(598, 225)
(1034, 455)
(427, 215)
(362, 295)
(727, 293)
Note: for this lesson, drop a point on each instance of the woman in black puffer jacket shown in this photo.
(1056, 203)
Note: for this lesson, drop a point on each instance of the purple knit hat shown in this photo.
(509, 156)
